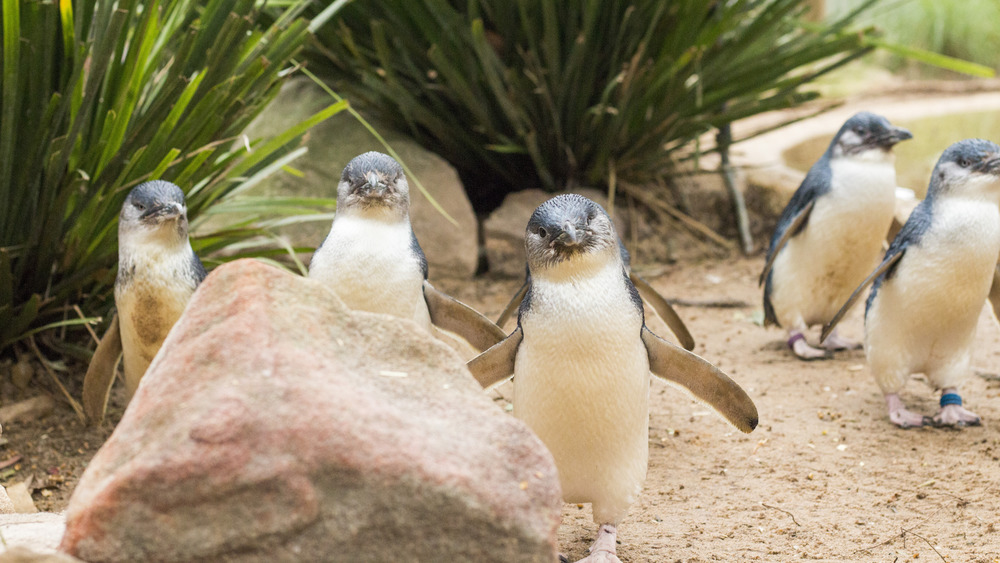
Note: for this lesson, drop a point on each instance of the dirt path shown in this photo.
(825, 476)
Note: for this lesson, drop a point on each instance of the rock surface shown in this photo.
(28, 555)
(450, 249)
(6, 505)
(39, 531)
(275, 425)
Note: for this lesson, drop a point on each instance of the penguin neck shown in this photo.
(876, 155)
(583, 266)
(982, 189)
(375, 213)
(153, 244)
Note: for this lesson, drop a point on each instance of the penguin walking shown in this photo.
(581, 356)
(923, 308)
(830, 234)
(371, 258)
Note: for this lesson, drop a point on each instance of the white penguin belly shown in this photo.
(924, 318)
(149, 306)
(581, 382)
(820, 267)
(370, 266)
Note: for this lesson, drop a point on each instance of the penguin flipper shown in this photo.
(101, 373)
(664, 310)
(995, 293)
(792, 230)
(452, 315)
(496, 364)
(703, 380)
(515, 302)
(888, 262)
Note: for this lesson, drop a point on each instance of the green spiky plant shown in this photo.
(98, 96)
(562, 94)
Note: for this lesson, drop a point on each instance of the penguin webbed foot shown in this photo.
(955, 416)
(804, 351)
(835, 343)
(907, 419)
(604, 549)
(903, 418)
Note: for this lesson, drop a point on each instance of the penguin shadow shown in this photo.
(778, 351)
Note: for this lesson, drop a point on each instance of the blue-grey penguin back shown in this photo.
(910, 234)
(816, 183)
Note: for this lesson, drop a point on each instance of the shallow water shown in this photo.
(914, 158)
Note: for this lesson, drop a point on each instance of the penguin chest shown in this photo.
(150, 299)
(841, 243)
(582, 384)
(931, 304)
(371, 266)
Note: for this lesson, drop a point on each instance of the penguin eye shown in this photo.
(140, 206)
(859, 131)
(542, 232)
(964, 162)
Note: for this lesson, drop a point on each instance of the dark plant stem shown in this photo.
(724, 139)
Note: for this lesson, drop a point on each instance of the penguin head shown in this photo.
(569, 229)
(867, 135)
(969, 168)
(374, 183)
(154, 210)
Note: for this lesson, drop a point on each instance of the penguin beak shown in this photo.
(897, 134)
(373, 185)
(571, 234)
(892, 136)
(991, 165)
(163, 212)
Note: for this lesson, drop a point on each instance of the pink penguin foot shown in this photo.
(953, 414)
(803, 350)
(900, 416)
(604, 549)
(836, 343)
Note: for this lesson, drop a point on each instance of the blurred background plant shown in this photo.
(558, 95)
(98, 96)
(966, 29)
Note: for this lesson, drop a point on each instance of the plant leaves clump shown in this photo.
(561, 94)
(98, 96)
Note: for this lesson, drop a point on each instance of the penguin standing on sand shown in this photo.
(581, 358)
(928, 292)
(372, 261)
(830, 234)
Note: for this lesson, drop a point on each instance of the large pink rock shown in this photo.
(275, 425)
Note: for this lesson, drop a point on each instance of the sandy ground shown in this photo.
(825, 476)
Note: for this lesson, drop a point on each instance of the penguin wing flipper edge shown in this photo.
(887, 263)
(515, 302)
(664, 310)
(706, 382)
(496, 364)
(101, 373)
(792, 230)
(452, 315)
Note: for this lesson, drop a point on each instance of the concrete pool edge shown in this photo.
(770, 182)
